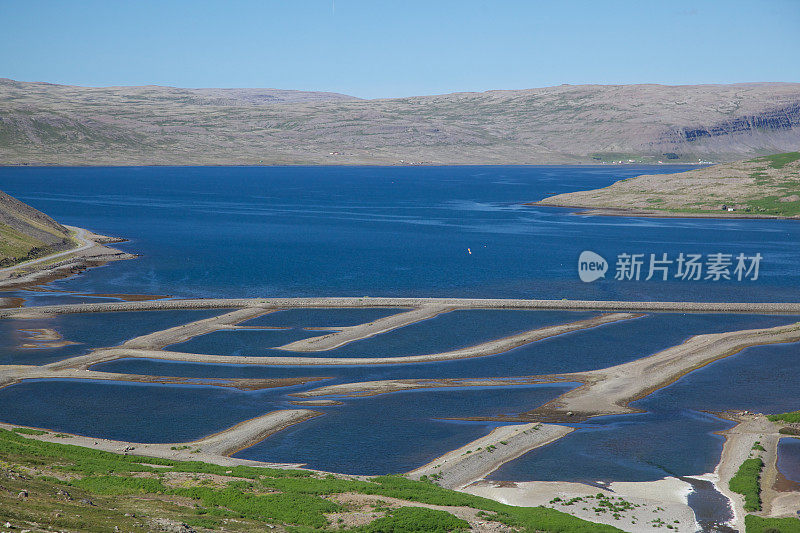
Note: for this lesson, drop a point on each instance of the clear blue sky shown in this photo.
(386, 48)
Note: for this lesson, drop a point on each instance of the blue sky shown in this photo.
(382, 48)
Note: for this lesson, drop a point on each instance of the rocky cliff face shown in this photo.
(54, 124)
(773, 120)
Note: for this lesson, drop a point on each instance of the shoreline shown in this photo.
(245, 431)
(665, 499)
(586, 210)
(91, 252)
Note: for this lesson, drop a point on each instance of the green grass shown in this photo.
(411, 519)
(747, 483)
(779, 161)
(249, 495)
(771, 205)
(757, 524)
(28, 431)
(15, 245)
(791, 417)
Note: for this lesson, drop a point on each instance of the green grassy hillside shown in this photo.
(48, 485)
(26, 233)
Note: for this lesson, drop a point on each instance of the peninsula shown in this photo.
(764, 187)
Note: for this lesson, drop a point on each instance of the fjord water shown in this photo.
(399, 231)
(393, 231)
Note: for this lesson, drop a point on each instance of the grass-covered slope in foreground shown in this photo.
(64, 487)
(765, 186)
(26, 233)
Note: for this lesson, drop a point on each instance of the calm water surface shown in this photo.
(395, 231)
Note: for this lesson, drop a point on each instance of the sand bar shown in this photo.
(13, 374)
(479, 350)
(455, 303)
(479, 458)
(251, 431)
(349, 334)
(603, 392)
(610, 390)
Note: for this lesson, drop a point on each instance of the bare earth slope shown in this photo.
(47, 124)
(766, 186)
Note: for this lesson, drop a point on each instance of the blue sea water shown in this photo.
(397, 231)
(140, 412)
(396, 432)
(676, 435)
(405, 231)
(258, 342)
(88, 331)
(582, 350)
(321, 317)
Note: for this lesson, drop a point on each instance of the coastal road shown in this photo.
(79, 235)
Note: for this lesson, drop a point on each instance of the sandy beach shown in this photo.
(663, 500)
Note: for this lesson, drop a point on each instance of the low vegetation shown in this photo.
(778, 161)
(411, 519)
(757, 524)
(793, 417)
(70, 487)
(765, 186)
(747, 483)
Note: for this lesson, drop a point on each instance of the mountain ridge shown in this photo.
(50, 124)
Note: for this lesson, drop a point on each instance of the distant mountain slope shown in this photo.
(52, 124)
(26, 233)
(766, 186)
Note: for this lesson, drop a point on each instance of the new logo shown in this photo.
(591, 266)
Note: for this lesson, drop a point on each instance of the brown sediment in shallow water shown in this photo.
(318, 403)
(782, 484)
(374, 388)
(43, 338)
(126, 297)
(13, 374)
(11, 303)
